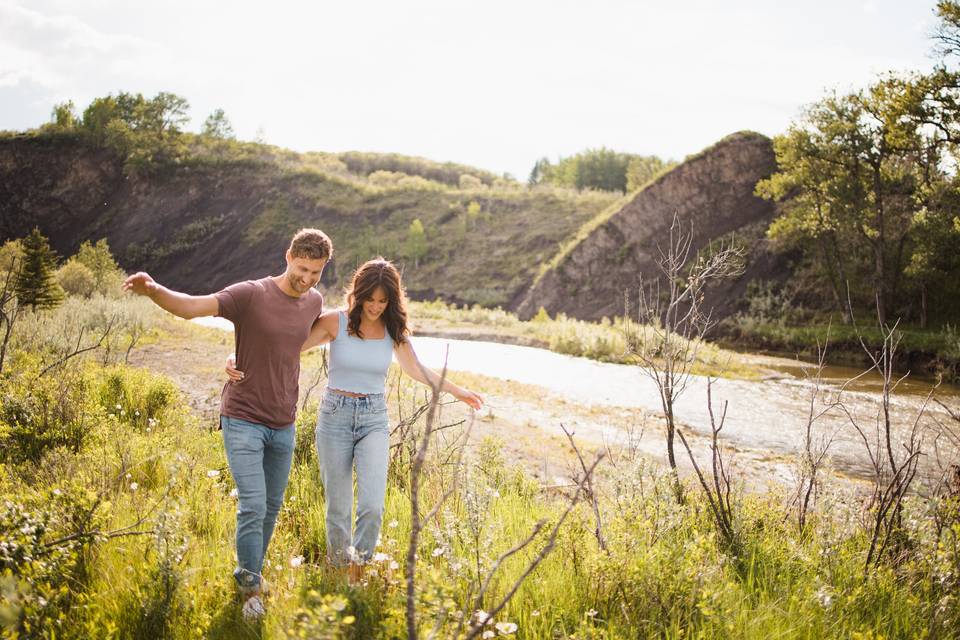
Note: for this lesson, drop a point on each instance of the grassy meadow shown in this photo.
(118, 514)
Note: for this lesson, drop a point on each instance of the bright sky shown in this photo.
(494, 84)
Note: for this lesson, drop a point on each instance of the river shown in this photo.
(766, 418)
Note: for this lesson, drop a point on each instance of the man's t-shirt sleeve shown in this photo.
(232, 301)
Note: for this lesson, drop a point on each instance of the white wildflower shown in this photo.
(591, 613)
(394, 565)
(481, 616)
(488, 634)
(437, 552)
(233, 493)
(213, 473)
(134, 486)
(824, 597)
(381, 557)
(393, 524)
(296, 561)
(506, 628)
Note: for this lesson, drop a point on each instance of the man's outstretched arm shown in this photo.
(179, 304)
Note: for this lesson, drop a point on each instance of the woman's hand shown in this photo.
(232, 372)
(468, 397)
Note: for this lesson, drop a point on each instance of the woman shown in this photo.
(352, 424)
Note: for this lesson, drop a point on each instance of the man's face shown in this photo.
(303, 273)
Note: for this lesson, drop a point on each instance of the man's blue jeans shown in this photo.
(259, 459)
(353, 431)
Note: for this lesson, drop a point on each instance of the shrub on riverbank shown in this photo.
(922, 351)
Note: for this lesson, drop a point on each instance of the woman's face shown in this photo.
(376, 304)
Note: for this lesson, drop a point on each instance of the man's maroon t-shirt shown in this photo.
(270, 327)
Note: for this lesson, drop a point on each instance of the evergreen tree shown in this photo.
(37, 285)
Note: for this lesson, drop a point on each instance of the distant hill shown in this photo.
(713, 190)
(226, 213)
(222, 217)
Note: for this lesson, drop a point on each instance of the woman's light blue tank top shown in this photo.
(358, 365)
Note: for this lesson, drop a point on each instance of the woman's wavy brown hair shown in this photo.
(372, 274)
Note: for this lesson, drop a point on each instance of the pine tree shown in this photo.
(37, 284)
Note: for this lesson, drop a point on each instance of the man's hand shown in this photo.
(140, 283)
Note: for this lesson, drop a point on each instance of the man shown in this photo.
(272, 319)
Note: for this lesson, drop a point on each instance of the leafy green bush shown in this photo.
(40, 413)
(42, 566)
(136, 397)
(76, 279)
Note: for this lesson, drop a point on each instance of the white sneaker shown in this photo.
(253, 609)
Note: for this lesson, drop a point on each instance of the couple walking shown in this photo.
(275, 318)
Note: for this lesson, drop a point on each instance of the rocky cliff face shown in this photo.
(185, 227)
(55, 185)
(713, 191)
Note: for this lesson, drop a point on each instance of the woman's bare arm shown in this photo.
(411, 365)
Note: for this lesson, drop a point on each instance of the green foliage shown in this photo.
(41, 573)
(145, 132)
(322, 617)
(64, 116)
(469, 182)
(11, 257)
(137, 398)
(767, 304)
(642, 169)
(447, 173)
(218, 126)
(416, 246)
(37, 284)
(601, 169)
(98, 259)
(402, 181)
(76, 279)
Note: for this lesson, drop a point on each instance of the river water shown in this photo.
(767, 417)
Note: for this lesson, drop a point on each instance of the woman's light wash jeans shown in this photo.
(259, 459)
(353, 431)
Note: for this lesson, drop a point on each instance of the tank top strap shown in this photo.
(342, 324)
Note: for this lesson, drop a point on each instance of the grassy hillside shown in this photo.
(225, 211)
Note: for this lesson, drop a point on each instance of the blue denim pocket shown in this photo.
(329, 405)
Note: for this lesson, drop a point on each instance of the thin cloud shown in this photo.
(53, 50)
